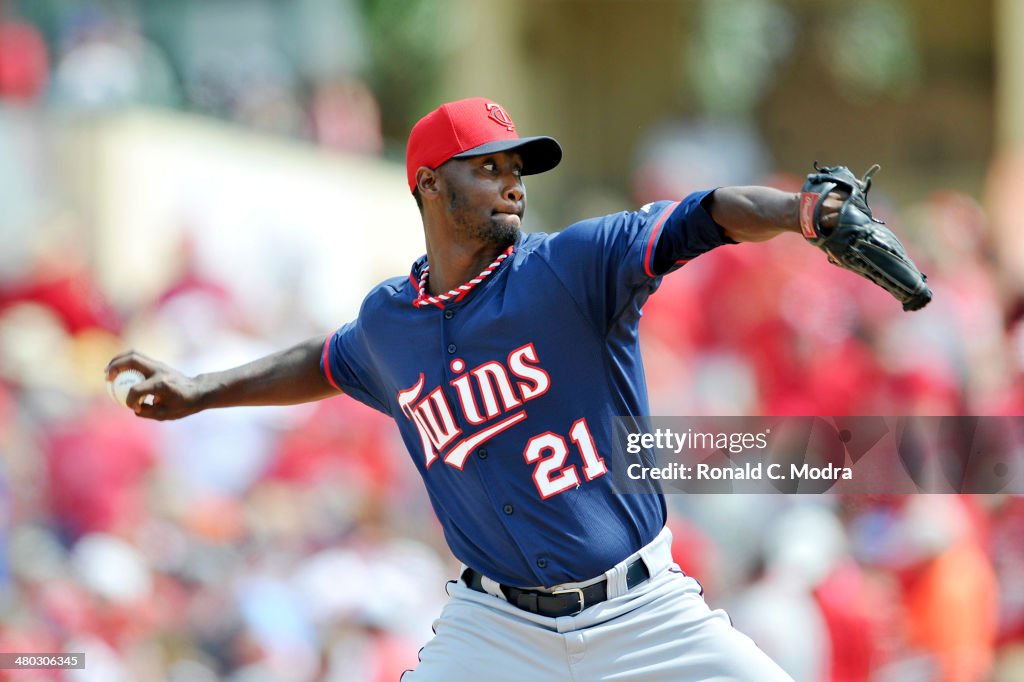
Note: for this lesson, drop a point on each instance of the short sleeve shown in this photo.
(608, 263)
(688, 232)
(348, 366)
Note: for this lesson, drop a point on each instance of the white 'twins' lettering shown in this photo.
(484, 393)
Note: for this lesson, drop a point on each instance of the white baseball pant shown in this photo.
(660, 631)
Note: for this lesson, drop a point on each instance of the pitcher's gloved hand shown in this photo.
(858, 241)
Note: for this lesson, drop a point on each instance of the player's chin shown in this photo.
(504, 229)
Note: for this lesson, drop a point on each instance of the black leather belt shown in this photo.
(559, 602)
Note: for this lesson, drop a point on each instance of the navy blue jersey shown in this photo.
(506, 398)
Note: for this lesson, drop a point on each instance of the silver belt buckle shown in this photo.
(578, 591)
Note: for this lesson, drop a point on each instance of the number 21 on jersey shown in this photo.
(549, 451)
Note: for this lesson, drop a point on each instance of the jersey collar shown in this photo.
(424, 299)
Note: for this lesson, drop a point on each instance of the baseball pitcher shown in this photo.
(503, 358)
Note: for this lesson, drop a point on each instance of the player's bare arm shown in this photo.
(288, 377)
(756, 214)
(831, 212)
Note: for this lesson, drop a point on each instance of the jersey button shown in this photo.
(482, 453)
(507, 509)
(448, 314)
(451, 348)
(542, 563)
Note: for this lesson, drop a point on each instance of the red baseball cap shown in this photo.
(471, 127)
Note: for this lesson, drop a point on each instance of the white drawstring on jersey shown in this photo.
(460, 291)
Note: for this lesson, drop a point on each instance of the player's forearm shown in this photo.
(287, 377)
(755, 214)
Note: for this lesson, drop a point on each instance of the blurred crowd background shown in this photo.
(210, 180)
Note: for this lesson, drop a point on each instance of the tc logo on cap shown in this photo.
(500, 116)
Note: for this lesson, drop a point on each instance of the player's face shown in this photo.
(486, 197)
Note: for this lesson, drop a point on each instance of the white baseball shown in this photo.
(119, 386)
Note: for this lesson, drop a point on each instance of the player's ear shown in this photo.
(427, 181)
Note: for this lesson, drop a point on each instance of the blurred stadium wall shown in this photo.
(328, 224)
(816, 79)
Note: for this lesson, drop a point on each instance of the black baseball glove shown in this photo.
(860, 242)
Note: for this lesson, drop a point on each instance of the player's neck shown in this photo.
(454, 264)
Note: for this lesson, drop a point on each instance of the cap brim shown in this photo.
(539, 153)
